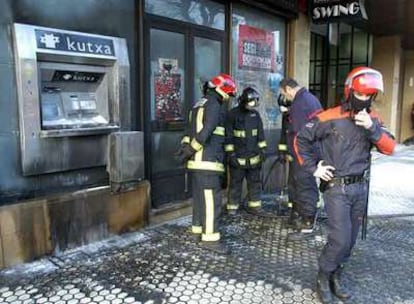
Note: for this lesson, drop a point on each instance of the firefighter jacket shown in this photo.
(304, 107)
(343, 144)
(206, 134)
(245, 138)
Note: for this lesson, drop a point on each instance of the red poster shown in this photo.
(168, 104)
(256, 49)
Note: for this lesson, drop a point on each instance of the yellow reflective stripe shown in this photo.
(262, 144)
(185, 140)
(255, 160)
(219, 131)
(212, 237)
(241, 161)
(196, 145)
(198, 156)
(199, 122)
(229, 148)
(239, 133)
(289, 158)
(254, 132)
(282, 147)
(232, 207)
(205, 165)
(209, 204)
(196, 229)
(290, 204)
(254, 204)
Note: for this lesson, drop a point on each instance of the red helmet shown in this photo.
(224, 85)
(363, 80)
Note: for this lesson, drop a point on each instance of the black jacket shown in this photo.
(343, 144)
(245, 136)
(206, 134)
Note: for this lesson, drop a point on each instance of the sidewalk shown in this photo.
(162, 265)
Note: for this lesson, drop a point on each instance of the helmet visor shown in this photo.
(368, 83)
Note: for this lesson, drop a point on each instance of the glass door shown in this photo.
(181, 59)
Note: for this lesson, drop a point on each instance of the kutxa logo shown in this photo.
(58, 41)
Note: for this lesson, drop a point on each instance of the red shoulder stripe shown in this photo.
(333, 113)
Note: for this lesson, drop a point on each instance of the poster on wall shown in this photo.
(256, 49)
(167, 91)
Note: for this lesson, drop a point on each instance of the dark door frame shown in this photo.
(190, 31)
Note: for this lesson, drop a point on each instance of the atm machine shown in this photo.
(73, 91)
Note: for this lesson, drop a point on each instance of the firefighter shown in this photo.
(202, 151)
(245, 147)
(346, 134)
(302, 187)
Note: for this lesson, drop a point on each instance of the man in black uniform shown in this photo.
(245, 144)
(302, 187)
(202, 150)
(346, 134)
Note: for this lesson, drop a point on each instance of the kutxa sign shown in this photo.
(324, 11)
(62, 41)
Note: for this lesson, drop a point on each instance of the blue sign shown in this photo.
(57, 41)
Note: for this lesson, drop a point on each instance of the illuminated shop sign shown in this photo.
(61, 41)
(324, 11)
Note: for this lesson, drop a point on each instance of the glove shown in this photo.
(232, 160)
(184, 153)
(324, 171)
(363, 119)
(283, 109)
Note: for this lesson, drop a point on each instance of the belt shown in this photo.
(342, 180)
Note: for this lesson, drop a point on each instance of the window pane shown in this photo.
(167, 76)
(345, 34)
(360, 47)
(258, 58)
(206, 12)
(207, 62)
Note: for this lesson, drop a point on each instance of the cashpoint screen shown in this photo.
(73, 99)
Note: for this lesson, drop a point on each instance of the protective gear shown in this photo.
(323, 287)
(224, 85)
(283, 109)
(184, 153)
(245, 144)
(249, 97)
(363, 119)
(359, 104)
(337, 286)
(324, 171)
(205, 134)
(363, 80)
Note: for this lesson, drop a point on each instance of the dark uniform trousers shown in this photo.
(254, 186)
(345, 206)
(206, 204)
(302, 190)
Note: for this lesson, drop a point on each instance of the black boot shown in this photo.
(337, 285)
(294, 220)
(323, 289)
